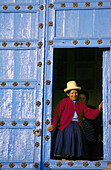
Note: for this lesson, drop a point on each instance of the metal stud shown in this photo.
(50, 23)
(47, 122)
(4, 44)
(30, 7)
(38, 103)
(85, 164)
(87, 4)
(99, 41)
(13, 123)
(16, 43)
(26, 83)
(40, 44)
(37, 144)
(100, 3)
(39, 64)
(28, 44)
(97, 164)
(50, 42)
(110, 81)
(46, 164)
(109, 162)
(40, 25)
(2, 123)
(11, 165)
(51, 5)
(110, 41)
(25, 123)
(23, 164)
(5, 7)
(59, 164)
(46, 137)
(110, 121)
(1, 165)
(48, 82)
(15, 83)
(41, 7)
(47, 102)
(63, 5)
(36, 165)
(3, 83)
(48, 62)
(87, 42)
(17, 7)
(70, 163)
(21, 43)
(75, 42)
(75, 4)
(37, 123)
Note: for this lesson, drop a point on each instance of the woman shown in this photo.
(70, 140)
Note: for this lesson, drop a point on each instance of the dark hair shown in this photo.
(85, 93)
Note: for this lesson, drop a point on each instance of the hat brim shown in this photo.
(73, 88)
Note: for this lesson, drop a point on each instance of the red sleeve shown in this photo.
(58, 112)
(90, 113)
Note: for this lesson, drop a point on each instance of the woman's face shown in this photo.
(73, 95)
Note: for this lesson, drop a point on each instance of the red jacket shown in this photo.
(64, 113)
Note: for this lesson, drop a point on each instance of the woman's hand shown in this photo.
(50, 128)
(100, 106)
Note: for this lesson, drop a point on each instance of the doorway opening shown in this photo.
(83, 65)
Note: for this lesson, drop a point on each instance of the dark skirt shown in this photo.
(71, 142)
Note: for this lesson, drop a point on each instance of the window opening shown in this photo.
(83, 65)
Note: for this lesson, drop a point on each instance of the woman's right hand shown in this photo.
(50, 128)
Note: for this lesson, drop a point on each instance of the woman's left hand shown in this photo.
(100, 106)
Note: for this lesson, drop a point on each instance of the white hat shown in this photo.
(71, 85)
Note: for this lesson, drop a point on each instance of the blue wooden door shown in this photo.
(21, 82)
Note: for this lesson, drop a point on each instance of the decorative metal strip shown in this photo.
(85, 164)
(3, 83)
(41, 7)
(46, 164)
(37, 123)
(48, 82)
(23, 164)
(2, 123)
(36, 165)
(110, 121)
(25, 123)
(47, 102)
(47, 138)
(51, 5)
(37, 144)
(59, 164)
(100, 3)
(4, 44)
(87, 42)
(38, 103)
(13, 123)
(70, 163)
(16, 43)
(99, 41)
(17, 7)
(1, 165)
(30, 7)
(11, 165)
(97, 164)
(50, 23)
(48, 62)
(47, 122)
(26, 83)
(15, 83)
(39, 64)
(28, 44)
(63, 5)
(75, 42)
(40, 25)
(5, 7)
(75, 4)
(87, 4)
(50, 42)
